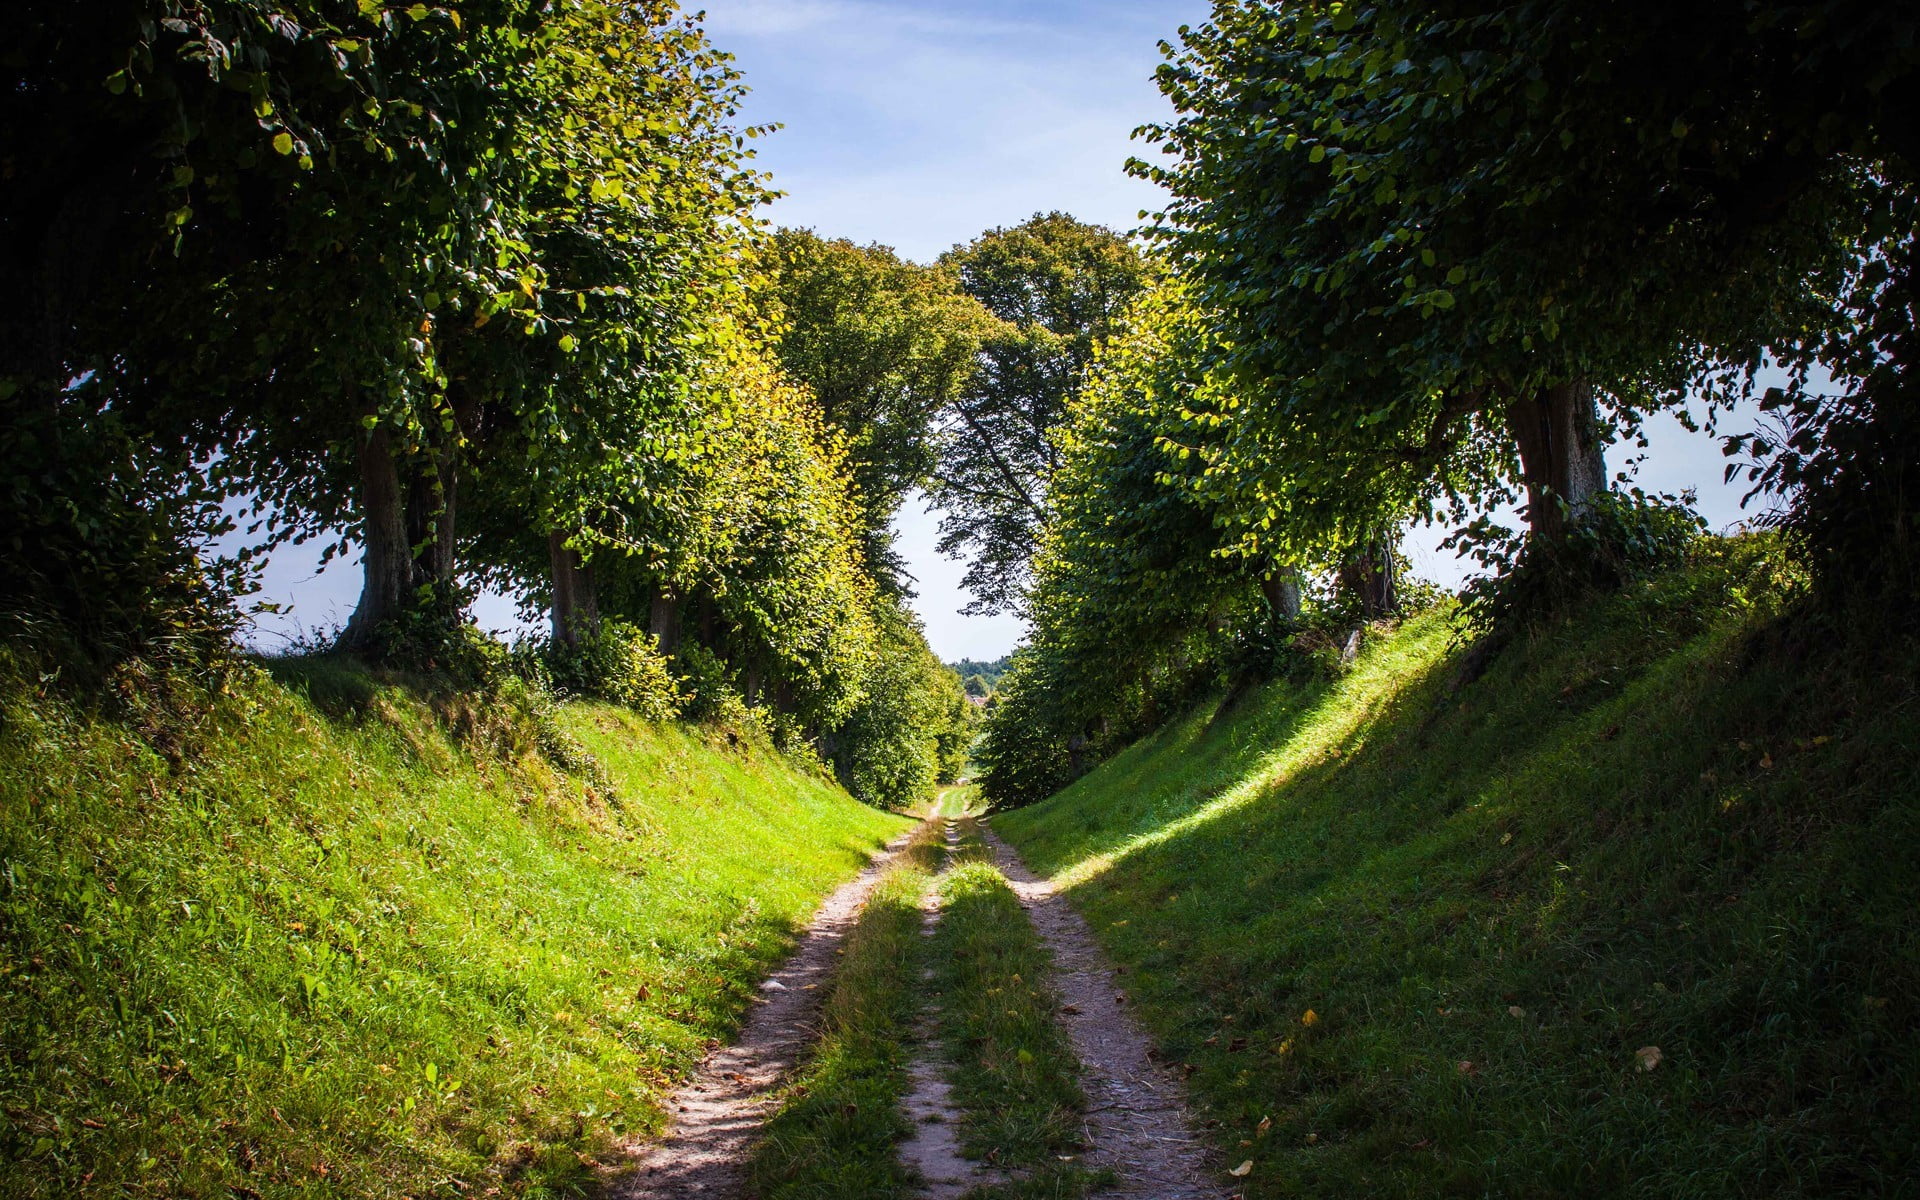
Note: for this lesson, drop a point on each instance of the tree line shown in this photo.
(482, 291)
(1419, 259)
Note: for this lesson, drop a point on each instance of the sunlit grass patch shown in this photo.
(355, 941)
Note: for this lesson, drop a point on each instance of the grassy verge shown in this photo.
(353, 936)
(1015, 1077)
(1631, 914)
(834, 1135)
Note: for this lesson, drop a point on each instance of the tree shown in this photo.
(1138, 592)
(909, 731)
(885, 345)
(1058, 286)
(405, 235)
(636, 225)
(1457, 245)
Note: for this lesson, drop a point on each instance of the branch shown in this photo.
(1440, 441)
(1006, 472)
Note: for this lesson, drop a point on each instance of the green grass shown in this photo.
(957, 800)
(1014, 1075)
(328, 935)
(834, 1135)
(1410, 939)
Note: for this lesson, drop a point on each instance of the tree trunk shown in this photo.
(430, 520)
(1281, 587)
(576, 607)
(1371, 576)
(663, 621)
(1562, 458)
(387, 561)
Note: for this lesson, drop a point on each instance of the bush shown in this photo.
(707, 687)
(100, 541)
(437, 636)
(1624, 537)
(620, 663)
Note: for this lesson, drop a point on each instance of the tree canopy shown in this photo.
(887, 346)
(1057, 286)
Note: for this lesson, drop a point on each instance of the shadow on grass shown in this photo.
(1415, 942)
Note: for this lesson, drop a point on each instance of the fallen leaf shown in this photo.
(1467, 1068)
(1243, 1170)
(1265, 1124)
(1648, 1057)
(1766, 762)
(1514, 1010)
(1310, 1018)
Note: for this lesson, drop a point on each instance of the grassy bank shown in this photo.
(834, 1135)
(321, 934)
(1632, 913)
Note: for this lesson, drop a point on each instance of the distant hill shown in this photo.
(966, 668)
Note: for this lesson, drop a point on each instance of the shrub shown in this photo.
(1622, 538)
(618, 662)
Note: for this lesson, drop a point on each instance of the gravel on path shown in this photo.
(1138, 1122)
(717, 1113)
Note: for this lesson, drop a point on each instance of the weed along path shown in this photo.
(717, 1114)
(1138, 1124)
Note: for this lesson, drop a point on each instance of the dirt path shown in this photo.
(933, 1149)
(716, 1114)
(1137, 1118)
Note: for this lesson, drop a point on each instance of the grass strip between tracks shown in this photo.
(1015, 1077)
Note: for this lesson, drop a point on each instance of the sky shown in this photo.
(920, 125)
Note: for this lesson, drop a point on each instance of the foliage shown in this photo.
(100, 559)
(1132, 556)
(910, 731)
(1057, 287)
(1624, 538)
(1416, 222)
(1675, 819)
(987, 673)
(885, 345)
(364, 937)
(417, 238)
(619, 663)
(708, 686)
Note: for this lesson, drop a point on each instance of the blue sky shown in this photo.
(919, 125)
